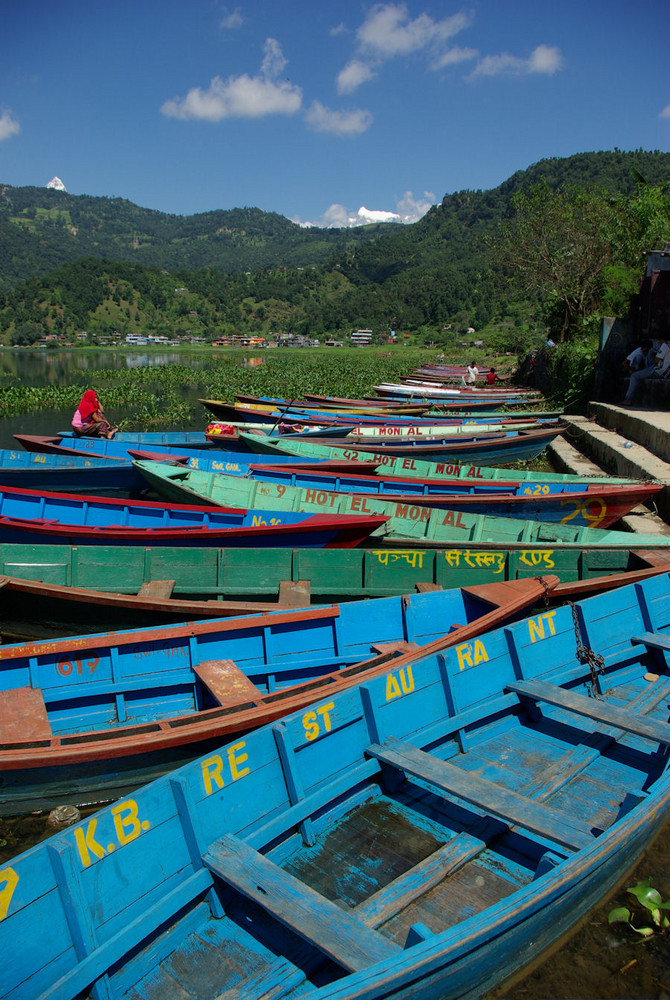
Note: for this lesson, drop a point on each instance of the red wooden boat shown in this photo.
(71, 518)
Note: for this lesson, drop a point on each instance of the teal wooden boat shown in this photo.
(420, 836)
(589, 504)
(391, 465)
(407, 522)
(294, 576)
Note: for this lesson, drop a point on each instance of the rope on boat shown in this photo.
(585, 655)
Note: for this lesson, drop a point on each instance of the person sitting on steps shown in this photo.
(639, 358)
(659, 367)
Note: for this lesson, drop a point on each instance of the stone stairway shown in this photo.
(634, 443)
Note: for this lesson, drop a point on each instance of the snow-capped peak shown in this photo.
(57, 184)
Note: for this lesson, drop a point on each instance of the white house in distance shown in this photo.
(361, 338)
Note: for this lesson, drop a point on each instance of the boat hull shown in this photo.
(66, 518)
(90, 724)
(408, 522)
(419, 837)
(300, 575)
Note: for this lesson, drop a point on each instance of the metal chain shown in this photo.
(595, 661)
(544, 583)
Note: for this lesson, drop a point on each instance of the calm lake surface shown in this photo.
(597, 962)
(40, 368)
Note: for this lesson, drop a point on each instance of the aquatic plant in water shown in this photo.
(650, 907)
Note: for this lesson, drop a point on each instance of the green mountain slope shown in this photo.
(41, 229)
(106, 265)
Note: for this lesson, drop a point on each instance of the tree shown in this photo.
(558, 246)
(26, 334)
(580, 251)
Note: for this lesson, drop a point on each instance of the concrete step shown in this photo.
(649, 428)
(587, 448)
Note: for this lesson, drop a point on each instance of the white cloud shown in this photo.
(233, 20)
(388, 32)
(8, 126)
(453, 56)
(544, 59)
(411, 209)
(342, 123)
(338, 217)
(241, 96)
(665, 113)
(353, 75)
(377, 215)
(274, 59)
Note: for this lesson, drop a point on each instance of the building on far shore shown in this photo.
(361, 338)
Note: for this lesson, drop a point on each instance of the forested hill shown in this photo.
(41, 229)
(247, 271)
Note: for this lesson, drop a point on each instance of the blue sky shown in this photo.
(316, 109)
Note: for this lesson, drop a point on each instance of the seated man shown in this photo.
(659, 368)
(639, 358)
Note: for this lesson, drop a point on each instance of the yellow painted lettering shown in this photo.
(392, 687)
(464, 654)
(126, 821)
(324, 711)
(235, 759)
(87, 845)
(211, 773)
(310, 725)
(9, 881)
(407, 680)
(536, 627)
(481, 656)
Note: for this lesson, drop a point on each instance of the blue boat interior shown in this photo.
(128, 679)
(324, 849)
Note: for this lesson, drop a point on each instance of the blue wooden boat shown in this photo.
(77, 473)
(38, 516)
(91, 717)
(214, 459)
(420, 836)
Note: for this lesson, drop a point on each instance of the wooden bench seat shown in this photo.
(494, 799)
(157, 589)
(592, 708)
(314, 918)
(652, 640)
(226, 682)
(23, 716)
(295, 593)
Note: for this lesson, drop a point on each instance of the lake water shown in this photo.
(50, 367)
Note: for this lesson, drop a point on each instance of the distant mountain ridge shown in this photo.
(71, 263)
(43, 228)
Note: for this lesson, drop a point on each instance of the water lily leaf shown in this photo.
(646, 895)
(619, 915)
(646, 932)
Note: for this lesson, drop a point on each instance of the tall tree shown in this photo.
(558, 247)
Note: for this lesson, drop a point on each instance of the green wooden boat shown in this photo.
(294, 576)
(407, 523)
(390, 465)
